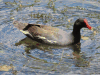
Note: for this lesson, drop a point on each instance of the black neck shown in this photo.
(76, 34)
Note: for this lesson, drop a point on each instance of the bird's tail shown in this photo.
(20, 25)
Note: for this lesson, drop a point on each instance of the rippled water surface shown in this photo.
(19, 55)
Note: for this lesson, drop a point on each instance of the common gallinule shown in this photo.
(52, 35)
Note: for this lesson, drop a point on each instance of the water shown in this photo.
(27, 57)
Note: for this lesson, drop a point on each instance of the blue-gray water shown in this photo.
(27, 57)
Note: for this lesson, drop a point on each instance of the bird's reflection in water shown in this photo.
(80, 59)
(30, 44)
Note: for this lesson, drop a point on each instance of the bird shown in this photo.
(53, 35)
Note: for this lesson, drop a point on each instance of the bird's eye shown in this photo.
(77, 23)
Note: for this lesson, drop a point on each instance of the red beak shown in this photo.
(88, 26)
